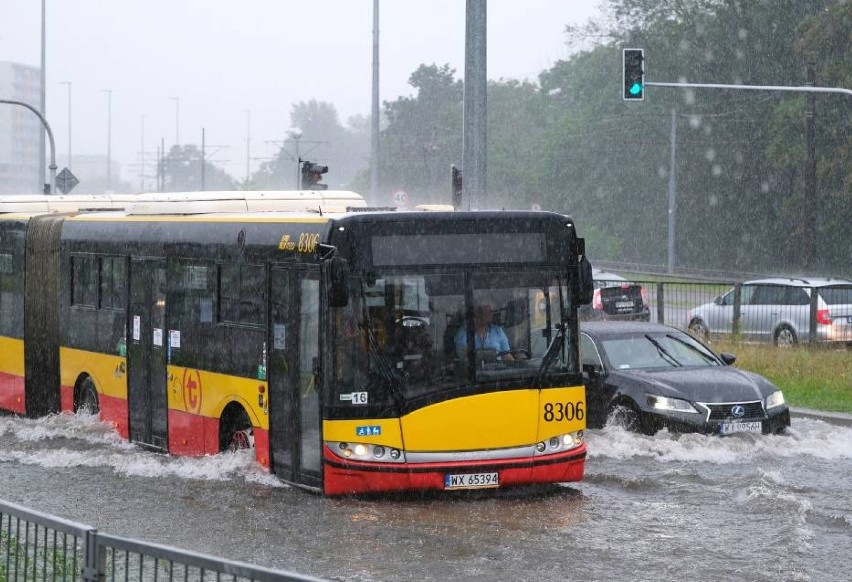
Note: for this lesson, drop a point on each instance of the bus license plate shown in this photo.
(471, 481)
(732, 427)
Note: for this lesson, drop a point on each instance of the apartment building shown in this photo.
(19, 129)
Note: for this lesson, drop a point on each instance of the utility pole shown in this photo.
(475, 104)
(69, 121)
(109, 138)
(672, 195)
(809, 174)
(43, 97)
(374, 133)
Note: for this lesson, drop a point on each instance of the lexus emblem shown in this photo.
(738, 410)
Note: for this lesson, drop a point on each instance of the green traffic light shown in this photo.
(635, 89)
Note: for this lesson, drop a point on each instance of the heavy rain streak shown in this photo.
(650, 508)
(332, 318)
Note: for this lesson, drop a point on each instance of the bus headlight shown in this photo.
(559, 443)
(366, 452)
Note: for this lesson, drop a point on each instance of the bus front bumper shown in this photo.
(344, 477)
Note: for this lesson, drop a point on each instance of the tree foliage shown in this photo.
(571, 144)
(182, 172)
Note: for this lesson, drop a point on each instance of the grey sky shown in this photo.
(221, 58)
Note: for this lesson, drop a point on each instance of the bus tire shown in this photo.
(86, 401)
(235, 429)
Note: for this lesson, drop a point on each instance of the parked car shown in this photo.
(779, 310)
(649, 376)
(616, 298)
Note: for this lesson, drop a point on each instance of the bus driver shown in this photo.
(487, 335)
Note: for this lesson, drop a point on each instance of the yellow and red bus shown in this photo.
(338, 341)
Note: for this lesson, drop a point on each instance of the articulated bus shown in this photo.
(339, 341)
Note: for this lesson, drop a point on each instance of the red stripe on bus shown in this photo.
(12, 397)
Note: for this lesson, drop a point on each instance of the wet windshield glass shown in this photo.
(406, 336)
(656, 351)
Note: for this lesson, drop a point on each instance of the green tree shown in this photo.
(182, 172)
(324, 140)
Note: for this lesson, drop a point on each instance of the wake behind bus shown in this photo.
(337, 341)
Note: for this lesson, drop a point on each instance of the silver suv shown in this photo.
(778, 310)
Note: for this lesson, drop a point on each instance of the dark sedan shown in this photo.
(649, 376)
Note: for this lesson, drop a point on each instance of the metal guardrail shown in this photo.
(671, 302)
(37, 546)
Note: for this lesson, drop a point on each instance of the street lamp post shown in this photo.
(43, 95)
(69, 121)
(51, 186)
(142, 156)
(248, 144)
(109, 138)
(177, 119)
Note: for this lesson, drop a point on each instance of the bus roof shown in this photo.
(188, 202)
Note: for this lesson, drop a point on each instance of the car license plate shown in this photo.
(732, 427)
(471, 480)
(623, 304)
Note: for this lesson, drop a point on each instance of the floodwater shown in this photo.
(650, 508)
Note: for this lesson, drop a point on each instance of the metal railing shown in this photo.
(37, 546)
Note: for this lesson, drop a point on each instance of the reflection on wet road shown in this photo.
(650, 508)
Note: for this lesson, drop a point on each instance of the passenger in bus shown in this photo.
(487, 335)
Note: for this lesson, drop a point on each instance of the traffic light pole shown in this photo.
(52, 183)
(754, 87)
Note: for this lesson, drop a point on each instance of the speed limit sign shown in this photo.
(400, 198)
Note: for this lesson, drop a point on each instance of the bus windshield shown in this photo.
(406, 336)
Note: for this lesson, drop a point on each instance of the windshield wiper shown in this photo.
(384, 368)
(552, 352)
(555, 347)
(701, 353)
(665, 354)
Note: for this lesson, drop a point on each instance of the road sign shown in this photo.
(66, 181)
(400, 198)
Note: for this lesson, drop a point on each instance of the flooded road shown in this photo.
(650, 508)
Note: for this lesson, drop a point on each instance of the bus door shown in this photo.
(294, 414)
(147, 354)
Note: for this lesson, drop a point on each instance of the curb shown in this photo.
(837, 418)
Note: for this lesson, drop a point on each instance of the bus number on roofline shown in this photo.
(308, 242)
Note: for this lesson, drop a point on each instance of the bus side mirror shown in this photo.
(585, 285)
(338, 282)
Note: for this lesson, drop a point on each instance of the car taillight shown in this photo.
(596, 301)
(823, 316)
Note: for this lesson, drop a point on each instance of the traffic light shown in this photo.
(312, 174)
(456, 186)
(634, 75)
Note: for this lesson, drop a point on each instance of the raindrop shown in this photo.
(662, 171)
(717, 170)
(713, 200)
(694, 121)
(743, 34)
(739, 157)
(764, 187)
(710, 154)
